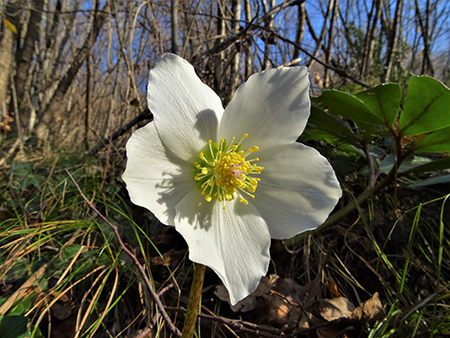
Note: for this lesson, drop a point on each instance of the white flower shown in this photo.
(190, 170)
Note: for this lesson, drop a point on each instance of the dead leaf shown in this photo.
(168, 258)
(280, 300)
(249, 303)
(369, 311)
(350, 318)
(333, 332)
(336, 308)
(245, 305)
(61, 310)
(309, 293)
(332, 287)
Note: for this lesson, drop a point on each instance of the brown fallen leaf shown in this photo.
(310, 292)
(168, 258)
(351, 319)
(249, 303)
(61, 310)
(369, 311)
(332, 287)
(336, 308)
(277, 301)
(341, 308)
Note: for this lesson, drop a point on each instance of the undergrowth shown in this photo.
(63, 273)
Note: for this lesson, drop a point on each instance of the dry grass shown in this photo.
(63, 271)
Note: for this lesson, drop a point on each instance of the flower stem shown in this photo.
(194, 301)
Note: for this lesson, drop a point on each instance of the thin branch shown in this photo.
(326, 65)
(260, 330)
(141, 269)
(249, 31)
(144, 115)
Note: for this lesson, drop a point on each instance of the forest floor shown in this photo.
(381, 271)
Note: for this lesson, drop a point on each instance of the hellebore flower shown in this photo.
(195, 167)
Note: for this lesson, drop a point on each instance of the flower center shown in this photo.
(224, 171)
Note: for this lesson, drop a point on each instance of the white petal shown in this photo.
(272, 107)
(233, 242)
(186, 111)
(156, 178)
(298, 190)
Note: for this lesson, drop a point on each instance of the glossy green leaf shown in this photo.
(427, 106)
(367, 130)
(431, 181)
(326, 122)
(407, 165)
(346, 165)
(439, 164)
(331, 138)
(319, 134)
(348, 106)
(23, 305)
(383, 101)
(13, 326)
(437, 142)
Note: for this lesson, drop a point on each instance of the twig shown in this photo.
(146, 331)
(235, 324)
(161, 309)
(338, 71)
(249, 30)
(144, 115)
(11, 150)
(290, 63)
(263, 331)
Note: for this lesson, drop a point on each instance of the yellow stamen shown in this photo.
(228, 173)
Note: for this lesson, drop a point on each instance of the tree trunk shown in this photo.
(54, 107)
(234, 76)
(300, 28)
(330, 42)
(370, 39)
(319, 40)
(268, 41)
(6, 52)
(392, 42)
(219, 59)
(174, 25)
(191, 37)
(427, 67)
(24, 57)
(248, 43)
(87, 117)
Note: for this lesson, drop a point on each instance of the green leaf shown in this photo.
(331, 138)
(346, 165)
(70, 251)
(326, 122)
(426, 107)
(383, 101)
(367, 130)
(13, 326)
(431, 181)
(437, 142)
(23, 305)
(439, 164)
(408, 164)
(348, 106)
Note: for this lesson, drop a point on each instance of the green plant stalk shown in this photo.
(194, 301)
